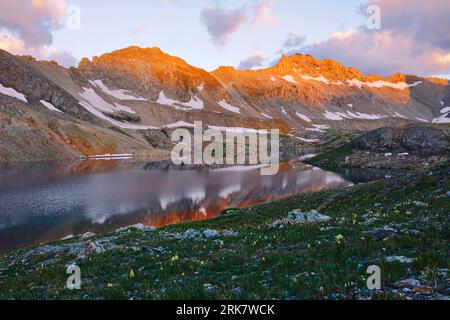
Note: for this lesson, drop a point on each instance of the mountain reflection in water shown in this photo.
(43, 202)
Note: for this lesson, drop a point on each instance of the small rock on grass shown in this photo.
(407, 283)
(383, 234)
(400, 259)
(420, 204)
(299, 217)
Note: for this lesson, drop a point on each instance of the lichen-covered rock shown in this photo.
(299, 217)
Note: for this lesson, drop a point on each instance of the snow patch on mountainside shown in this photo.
(12, 93)
(303, 117)
(99, 103)
(290, 79)
(118, 94)
(320, 79)
(381, 84)
(332, 116)
(119, 124)
(49, 106)
(445, 118)
(398, 115)
(238, 129)
(180, 124)
(166, 101)
(445, 110)
(319, 128)
(229, 107)
(364, 116)
(194, 103)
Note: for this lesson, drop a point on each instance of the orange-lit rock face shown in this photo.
(150, 70)
(298, 79)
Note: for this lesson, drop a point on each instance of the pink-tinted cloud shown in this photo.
(383, 53)
(263, 14)
(32, 21)
(221, 22)
(414, 38)
(27, 26)
(256, 59)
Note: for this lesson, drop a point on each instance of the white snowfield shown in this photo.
(12, 93)
(303, 117)
(118, 94)
(319, 128)
(49, 106)
(445, 118)
(108, 156)
(179, 124)
(266, 116)
(238, 129)
(98, 102)
(228, 106)
(445, 110)
(194, 103)
(166, 101)
(119, 124)
(381, 84)
(339, 116)
(290, 79)
(320, 79)
(398, 115)
(333, 116)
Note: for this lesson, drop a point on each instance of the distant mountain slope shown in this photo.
(134, 90)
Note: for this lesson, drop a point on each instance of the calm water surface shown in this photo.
(45, 202)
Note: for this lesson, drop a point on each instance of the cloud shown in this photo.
(26, 28)
(422, 20)
(382, 52)
(262, 15)
(294, 40)
(221, 22)
(414, 38)
(256, 59)
(32, 21)
(138, 29)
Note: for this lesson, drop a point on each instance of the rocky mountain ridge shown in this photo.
(130, 92)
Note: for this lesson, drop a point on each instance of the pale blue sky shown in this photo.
(412, 36)
(176, 27)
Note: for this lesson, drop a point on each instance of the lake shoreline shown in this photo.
(228, 257)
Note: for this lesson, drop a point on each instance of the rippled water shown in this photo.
(45, 202)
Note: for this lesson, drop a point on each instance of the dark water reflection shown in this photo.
(43, 202)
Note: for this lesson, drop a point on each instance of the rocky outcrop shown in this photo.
(416, 139)
(18, 73)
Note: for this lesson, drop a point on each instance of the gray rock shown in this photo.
(299, 217)
(138, 226)
(400, 259)
(407, 283)
(383, 234)
(420, 204)
(93, 248)
(304, 217)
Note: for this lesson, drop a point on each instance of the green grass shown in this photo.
(332, 157)
(299, 262)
